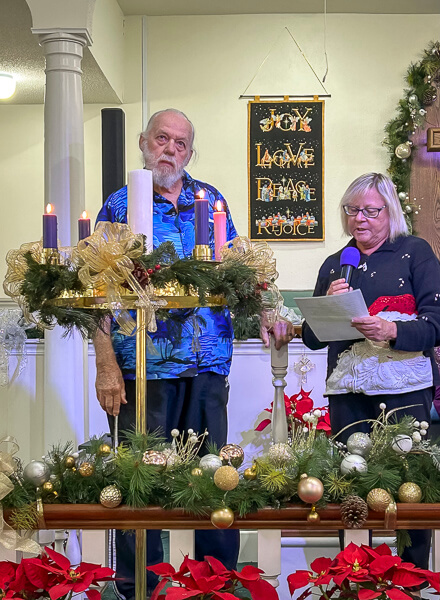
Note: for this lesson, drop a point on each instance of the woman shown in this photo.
(399, 277)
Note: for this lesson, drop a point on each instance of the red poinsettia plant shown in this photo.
(362, 573)
(301, 412)
(209, 579)
(50, 576)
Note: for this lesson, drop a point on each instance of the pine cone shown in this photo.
(354, 511)
(429, 96)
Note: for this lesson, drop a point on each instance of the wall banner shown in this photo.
(286, 170)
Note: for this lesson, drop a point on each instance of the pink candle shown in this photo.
(50, 228)
(83, 226)
(219, 229)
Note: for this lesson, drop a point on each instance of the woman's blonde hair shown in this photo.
(383, 186)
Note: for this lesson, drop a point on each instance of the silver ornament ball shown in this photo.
(36, 472)
(210, 463)
(413, 99)
(359, 443)
(403, 151)
(353, 462)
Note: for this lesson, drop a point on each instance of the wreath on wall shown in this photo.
(423, 80)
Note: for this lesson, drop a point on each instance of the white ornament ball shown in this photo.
(317, 413)
(210, 463)
(359, 443)
(423, 432)
(175, 433)
(416, 424)
(382, 406)
(403, 151)
(424, 425)
(402, 444)
(36, 472)
(353, 462)
(402, 196)
(416, 436)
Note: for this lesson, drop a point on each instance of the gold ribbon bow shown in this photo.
(258, 256)
(105, 261)
(9, 537)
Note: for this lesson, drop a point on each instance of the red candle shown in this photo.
(201, 214)
(219, 228)
(83, 226)
(50, 228)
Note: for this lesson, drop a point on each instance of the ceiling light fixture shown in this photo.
(7, 85)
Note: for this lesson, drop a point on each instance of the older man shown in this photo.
(187, 377)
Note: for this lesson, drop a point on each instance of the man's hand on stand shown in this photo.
(110, 388)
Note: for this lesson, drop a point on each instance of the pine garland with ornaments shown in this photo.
(423, 81)
(394, 463)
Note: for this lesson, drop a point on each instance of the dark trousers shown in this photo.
(198, 403)
(349, 408)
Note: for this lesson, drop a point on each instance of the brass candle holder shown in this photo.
(202, 252)
(50, 256)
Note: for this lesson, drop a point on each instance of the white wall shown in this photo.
(202, 64)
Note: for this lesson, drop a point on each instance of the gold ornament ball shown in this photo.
(104, 449)
(86, 469)
(313, 517)
(232, 454)
(250, 474)
(222, 518)
(409, 492)
(110, 496)
(378, 499)
(226, 478)
(155, 458)
(48, 486)
(69, 462)
(197, 472)
(310, 489)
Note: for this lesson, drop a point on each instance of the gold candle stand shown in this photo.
(202, 252)
(50, 256)
(93, 299)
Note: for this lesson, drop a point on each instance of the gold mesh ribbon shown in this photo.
(258, 256)
(17, 268)
(9, 537)
(105, 261)
(16, 272)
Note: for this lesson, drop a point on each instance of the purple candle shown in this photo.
(83, 226)
(50, 228)
(201, 210)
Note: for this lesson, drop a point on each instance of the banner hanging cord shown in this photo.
(325, 42)
(302, 53)
(307, 61)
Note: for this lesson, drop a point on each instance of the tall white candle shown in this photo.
(140, 204)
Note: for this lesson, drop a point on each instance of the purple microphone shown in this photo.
(350, 259)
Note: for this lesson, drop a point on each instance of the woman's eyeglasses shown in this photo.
(369, 212)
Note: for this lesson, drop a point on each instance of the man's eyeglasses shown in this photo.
(369, 212)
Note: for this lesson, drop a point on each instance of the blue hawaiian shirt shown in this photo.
(178, 356)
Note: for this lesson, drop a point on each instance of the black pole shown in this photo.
(113, 150)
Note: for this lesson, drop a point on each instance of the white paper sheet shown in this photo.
(330, 317)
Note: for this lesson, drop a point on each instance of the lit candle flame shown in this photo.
(200, 195)
(49, 209)
(84, 214)
(219, 206)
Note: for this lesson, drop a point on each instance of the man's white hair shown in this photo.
(172, 110)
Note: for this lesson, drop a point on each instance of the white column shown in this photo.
(279, 360)
(64, 189)
(181, 544)
(269, 554)
(357, 536)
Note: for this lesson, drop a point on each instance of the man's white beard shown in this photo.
(164, 176)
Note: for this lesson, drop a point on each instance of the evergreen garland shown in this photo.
(237, 283)
(421, 92)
